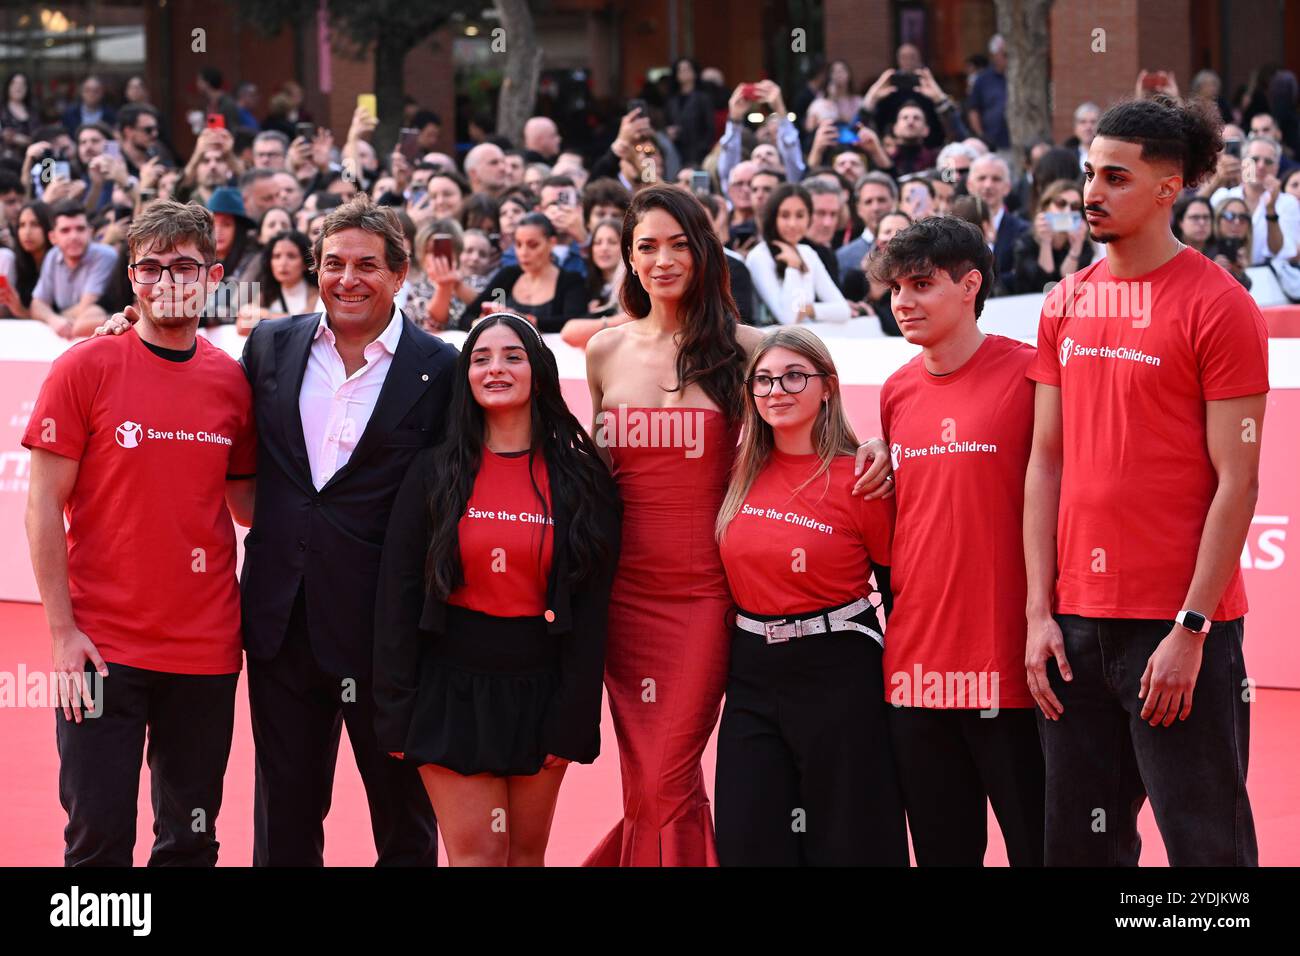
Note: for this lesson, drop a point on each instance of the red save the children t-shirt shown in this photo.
(1136, 360)
(506, 539)
(788, 553)
(151, 545)
(960, 446)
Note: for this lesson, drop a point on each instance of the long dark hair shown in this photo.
(771, 212)
(29, 100)
(595, 278)
(26, 269)
(270, 285)
(1182, 206)
(579, 482)
(1056, 163)
(708, 352)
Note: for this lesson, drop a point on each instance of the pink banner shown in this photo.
(1272, 581)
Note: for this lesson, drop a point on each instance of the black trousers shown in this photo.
(805, 776)
(952, 763)
(1103, 760)
(298, 711)
(188, 720)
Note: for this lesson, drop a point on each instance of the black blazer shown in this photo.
(330, 540)
(569, 301)
(408, 619)
(742, 288)
(1004, 249)
(1029, 275)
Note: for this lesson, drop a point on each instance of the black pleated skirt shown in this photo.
(485, 686)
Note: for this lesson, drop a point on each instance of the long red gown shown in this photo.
(667, 651)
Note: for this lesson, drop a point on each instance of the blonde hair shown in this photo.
(832, 435)
(424, 237)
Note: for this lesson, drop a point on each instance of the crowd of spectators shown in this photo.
(799, 193)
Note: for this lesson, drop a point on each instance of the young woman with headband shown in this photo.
(493, 596)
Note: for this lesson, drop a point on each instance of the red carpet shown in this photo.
(31, 820)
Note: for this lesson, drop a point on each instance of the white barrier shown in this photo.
(864, 362)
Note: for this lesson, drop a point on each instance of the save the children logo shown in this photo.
(895, 454)
(1066, 346)
(128, 434)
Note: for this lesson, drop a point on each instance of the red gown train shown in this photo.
(666, 659)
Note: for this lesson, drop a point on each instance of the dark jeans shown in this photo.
(297, 712)
(951, 764)
(189, 719)
(805, 776)
(1103, 760)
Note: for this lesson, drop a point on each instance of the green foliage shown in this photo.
(403, 23)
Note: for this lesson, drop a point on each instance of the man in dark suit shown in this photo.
(990, 179)
(344, 400)
(90, 108)
(874, 195)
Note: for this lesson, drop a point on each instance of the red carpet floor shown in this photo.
(31, 820)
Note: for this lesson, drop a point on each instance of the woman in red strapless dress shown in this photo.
(667, 392)
(667, 650)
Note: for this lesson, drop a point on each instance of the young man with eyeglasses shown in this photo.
(145, 441)
(959, 420)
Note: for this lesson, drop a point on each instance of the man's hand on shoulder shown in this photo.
(119, 322)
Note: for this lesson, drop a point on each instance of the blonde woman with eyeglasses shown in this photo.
(805, 775)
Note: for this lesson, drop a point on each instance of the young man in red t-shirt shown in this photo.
(1152, 370)
(959, 419)
(144, 440)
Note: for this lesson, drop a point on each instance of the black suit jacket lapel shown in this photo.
(557, 589)
(409, 376)
(292, 347)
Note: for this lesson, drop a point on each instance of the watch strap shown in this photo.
(1204, 621)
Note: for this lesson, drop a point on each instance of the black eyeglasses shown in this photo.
(148, 130)
(182, 273)
(792, 383)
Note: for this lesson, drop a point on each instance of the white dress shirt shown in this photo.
(296, 300)
(784, 297)
(1288, 221)
(787, 147)
(334, 406)
(997, 224)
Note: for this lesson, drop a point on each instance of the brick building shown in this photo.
(611, 44)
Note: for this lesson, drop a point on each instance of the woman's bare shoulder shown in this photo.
(749, 336)
(605, 343)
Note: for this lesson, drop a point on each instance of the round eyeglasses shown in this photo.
(792, 383)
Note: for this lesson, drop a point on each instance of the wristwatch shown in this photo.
(1193, 621)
